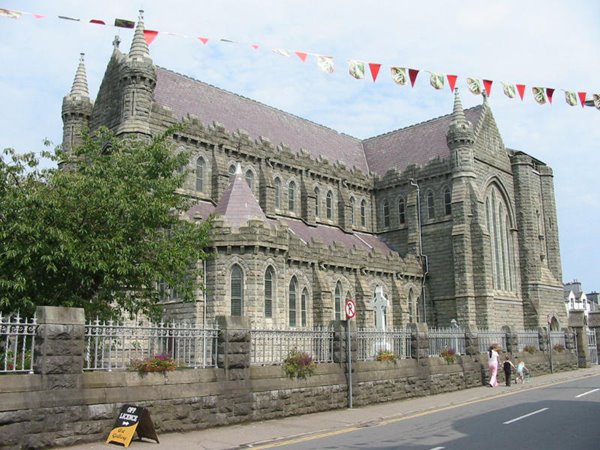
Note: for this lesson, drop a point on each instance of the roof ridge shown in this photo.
(419, 123)
(358, 140)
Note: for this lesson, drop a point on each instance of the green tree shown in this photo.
(99, 232)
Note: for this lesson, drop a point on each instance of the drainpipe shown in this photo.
(422, 257)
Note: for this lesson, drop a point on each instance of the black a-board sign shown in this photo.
(132, 419)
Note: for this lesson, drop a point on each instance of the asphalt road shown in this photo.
(557, 417)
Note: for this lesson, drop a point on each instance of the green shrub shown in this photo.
(449, 354)
(299, 365)
(156, 363)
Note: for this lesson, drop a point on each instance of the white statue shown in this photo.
(380, 305)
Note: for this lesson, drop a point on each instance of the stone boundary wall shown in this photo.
(60, 405)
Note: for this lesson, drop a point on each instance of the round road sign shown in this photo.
(350, 308)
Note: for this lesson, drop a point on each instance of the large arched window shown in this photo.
(430, 205)
(385, 211)
(329, 205)
(277, 187)
(200, 174)
(501, 240)
(292, 196)
(338, 301)
(304, 308)
(317, 202)
(363, 213)
(292, 301)
(269, 290)
(237, 290)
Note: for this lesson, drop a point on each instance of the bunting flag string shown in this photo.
(357, 69)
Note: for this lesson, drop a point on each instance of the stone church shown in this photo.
(440, 217)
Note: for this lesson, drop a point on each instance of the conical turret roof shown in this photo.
(238, 203)
(139, 46)
(80, 85)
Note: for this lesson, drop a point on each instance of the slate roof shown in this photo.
(238, 204)
(416, 144)
(328, 235)
(185, 95)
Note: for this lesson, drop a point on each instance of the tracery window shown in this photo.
(502, 243)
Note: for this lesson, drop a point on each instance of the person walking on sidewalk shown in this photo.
(508, 366)
(493, 365)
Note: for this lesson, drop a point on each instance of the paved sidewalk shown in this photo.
(261, 434)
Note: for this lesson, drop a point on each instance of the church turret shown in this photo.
(138, 79)
(460, 138)
(76, 109)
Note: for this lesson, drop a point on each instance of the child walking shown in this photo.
(508, 366)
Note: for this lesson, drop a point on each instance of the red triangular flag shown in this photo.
(374, 68)
(150, 35)
(412, 74)
(451, 81)
(98, 22)
(203, 40)
(302, 55)
(549, 94)
(521, 90)
(39, 16)
(582, 98)
(254, 46)
(487, 84)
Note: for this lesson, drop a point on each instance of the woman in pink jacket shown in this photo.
(493, 365)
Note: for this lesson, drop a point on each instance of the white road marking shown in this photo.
(526, 415)
(586, 393)
(437, 448)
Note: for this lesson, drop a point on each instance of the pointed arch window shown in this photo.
(292, 196)
(329, 205)
(237, 290)
(269, 291)
(277, 187)
(250, 179)
(338, 301)
(363, 213)
(430, 205)
(502, 246)
(385, 211)
(317, 202)
(292, 307)
(401, 211)
(200, 167)
(447, 202)
(304, 308)
(231, 171)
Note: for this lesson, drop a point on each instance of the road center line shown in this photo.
(586, 393)
(526, 415)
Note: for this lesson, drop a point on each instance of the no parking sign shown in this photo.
(350, 308)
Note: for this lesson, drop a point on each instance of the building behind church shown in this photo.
(440, 217)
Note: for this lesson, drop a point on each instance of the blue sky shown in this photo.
(537, 43)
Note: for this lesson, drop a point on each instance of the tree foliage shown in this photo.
(101, 230)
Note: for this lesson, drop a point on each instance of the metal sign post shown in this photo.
(350, 308)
